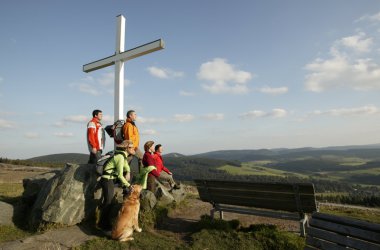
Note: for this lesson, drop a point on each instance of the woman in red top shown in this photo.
(164, 174)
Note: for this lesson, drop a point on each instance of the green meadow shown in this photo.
(352, 170)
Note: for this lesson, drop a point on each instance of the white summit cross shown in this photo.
(118, 59)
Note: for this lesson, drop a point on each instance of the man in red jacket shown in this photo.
(95, 136)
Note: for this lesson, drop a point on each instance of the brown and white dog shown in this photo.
(128, 218)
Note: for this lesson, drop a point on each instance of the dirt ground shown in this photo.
(16, 173)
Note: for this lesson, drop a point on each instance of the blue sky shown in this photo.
(233, 74)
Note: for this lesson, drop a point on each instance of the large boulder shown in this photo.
(6, 214)
(33, 185)
(67, 198)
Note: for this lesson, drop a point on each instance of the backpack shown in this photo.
(103, 161)
(115, 131)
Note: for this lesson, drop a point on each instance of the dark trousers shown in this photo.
(94, 157)
(108, 188)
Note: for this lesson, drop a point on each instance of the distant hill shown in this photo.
(173, 155)
(62, 158)
(367, 151)
(371, 152)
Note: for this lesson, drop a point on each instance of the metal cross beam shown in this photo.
(118, 60)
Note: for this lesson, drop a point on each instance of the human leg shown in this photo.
(108, 192)
(165, 177)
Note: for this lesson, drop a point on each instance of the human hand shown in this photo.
(170, 173)
(93, 150)
(127, 190)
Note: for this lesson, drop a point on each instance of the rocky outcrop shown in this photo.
(72, 194)
(67, 198)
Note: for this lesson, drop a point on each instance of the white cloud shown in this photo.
(77, 118)
(365, 110)
(107, 79)
(31, 135)
(143, 120)
(338, 71)
(88, 89)
(107, 119)
(59, 124)
(278, 113)
(371, 18)
(213, 117)
(183, 117)
(275, 113)
(97, 86)
(148, 132)
(164, 73)
(274, 91)
(224, 77)
(186, 93)
(7, 124)
(358, 42)
(63, 134)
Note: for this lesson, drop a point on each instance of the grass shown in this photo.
(11, 192)
(148, 240)
(219, 235)
(253, 168)
(260, 168)
(10, 233)
(371, 215)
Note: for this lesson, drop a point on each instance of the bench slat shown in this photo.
(282, 187)
(272, 214)
(253, 193)
(340, 239)
(348, 221)
(322, 244)
(307, 205)
(348, 230)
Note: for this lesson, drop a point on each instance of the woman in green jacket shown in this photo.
(116, 171)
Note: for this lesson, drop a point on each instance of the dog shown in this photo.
(128, 218)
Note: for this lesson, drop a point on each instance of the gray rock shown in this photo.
(67, 198)
(6, 214)
(147, 200)
(64, 238)
(166, 195)
(179, 194)
(163, 195)
(33, 185)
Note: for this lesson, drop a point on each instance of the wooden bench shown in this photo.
(327, 231)
(290, 201)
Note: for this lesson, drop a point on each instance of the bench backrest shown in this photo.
(297, 197)
(327, 231)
